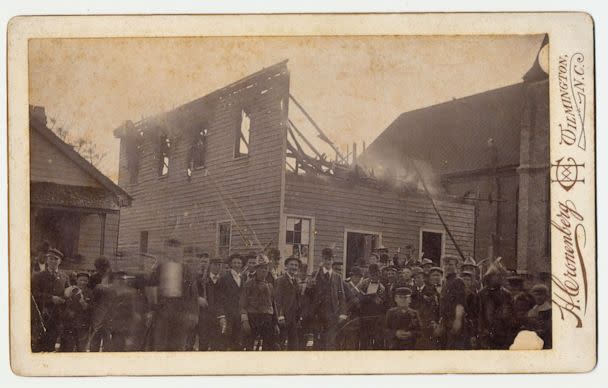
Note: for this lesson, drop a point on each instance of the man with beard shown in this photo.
(178, 313)
(48, 302)
(211, 321)
(495, 310)
(326, 291)
(289, 304)
(230, 286)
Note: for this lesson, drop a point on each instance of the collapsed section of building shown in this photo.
(230, 172)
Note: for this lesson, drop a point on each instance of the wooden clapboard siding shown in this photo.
(189, 208)
(337, 206)
(89, 239)
(48, 164)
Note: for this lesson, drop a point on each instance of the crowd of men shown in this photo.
(251, 302)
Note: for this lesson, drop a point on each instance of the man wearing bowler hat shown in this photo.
(211, 321)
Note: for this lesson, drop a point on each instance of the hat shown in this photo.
(467, 273)
(327, 253)
(469, 262)
(403, 291)
(292, 258)
(234, 256)
(436, 269)
(375, 255)
(539, 288)
(54, 252)
(215, 260)
(79, 274)
(356, 271)
(416, 271)
(390, 269)
(448, 258)
(426, 261)
(261, 259)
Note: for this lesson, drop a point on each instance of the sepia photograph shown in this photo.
(317, 193)
(326, 193)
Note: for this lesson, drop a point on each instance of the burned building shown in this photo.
(230, 172)
(491, 150)
(73, 205)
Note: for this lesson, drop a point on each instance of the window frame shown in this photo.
(218, 237)
(238, 134)
(311, 238)
(432, 230)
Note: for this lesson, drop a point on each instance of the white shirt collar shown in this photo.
(325, 271)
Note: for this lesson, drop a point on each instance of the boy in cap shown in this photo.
(211, 321)
(402, 324)
(288, 303)
(426, 265)
(48, 301)
(258, 313)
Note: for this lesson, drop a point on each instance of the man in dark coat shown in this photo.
(427, 305)
(471, 310)
(373, 307)
(495, 310)
(177, 314)
(48, 302)
(451, 306)
(288, 303)
(77, 315)
(329, 304)
(230, 286)
(211, 322)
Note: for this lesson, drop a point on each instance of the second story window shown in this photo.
(243, 129)
(165, 151)
(199, 149)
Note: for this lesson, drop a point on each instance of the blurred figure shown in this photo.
(427, 303)
(77, 315)
(373, 308)
(495, 310)
(177, 314)
(471, 310)
(102, 274)
(451, 306)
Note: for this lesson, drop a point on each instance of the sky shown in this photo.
(353, 87)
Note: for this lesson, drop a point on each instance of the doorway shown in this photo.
(432, 245)
(358, 247)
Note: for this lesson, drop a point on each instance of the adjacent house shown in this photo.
(491, 150)
(73, 205)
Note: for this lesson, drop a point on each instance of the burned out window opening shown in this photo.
(243, 130)
(164, 155)
(224, 231)
(297, 236)
(134, 153)
(198, 151)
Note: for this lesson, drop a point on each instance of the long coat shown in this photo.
(230, 293)
(337, 305)
(288, 299)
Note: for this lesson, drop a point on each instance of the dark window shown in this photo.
(165, 148)
(241, 146)
(431, 247)
(143, 242)
(198, 151)
(135, 145)
(224, 236)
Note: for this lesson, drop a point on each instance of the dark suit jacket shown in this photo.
(212, 292)
(337, 298)
(288, 299)
(230, 296)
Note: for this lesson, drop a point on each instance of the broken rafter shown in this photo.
(321, 135)
(308, 143)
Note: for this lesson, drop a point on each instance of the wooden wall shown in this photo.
(48, 164)
(337, 206)
(247, 189)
